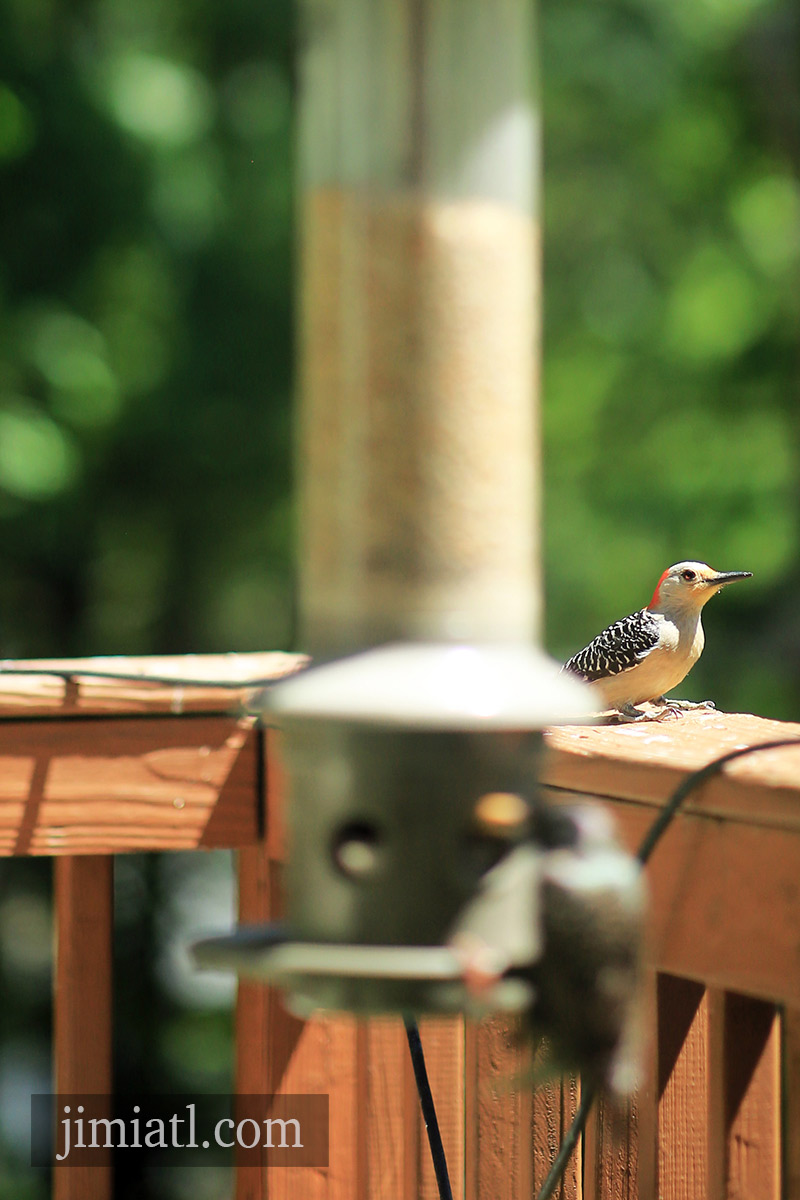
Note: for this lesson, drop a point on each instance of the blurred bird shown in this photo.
(563, 913)
(645, 655)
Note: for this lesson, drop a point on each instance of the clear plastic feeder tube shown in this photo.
(419, 323)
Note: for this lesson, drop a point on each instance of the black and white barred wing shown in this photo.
(616, 649)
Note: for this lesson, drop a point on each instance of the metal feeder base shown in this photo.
(357, 978)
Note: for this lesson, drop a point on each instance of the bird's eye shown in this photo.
(688, 576)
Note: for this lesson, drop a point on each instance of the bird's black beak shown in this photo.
(723, 577)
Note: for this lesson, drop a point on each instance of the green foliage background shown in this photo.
(146, 323)
(146, 326)
(672, 244)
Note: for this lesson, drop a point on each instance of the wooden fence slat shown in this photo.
(611, 1153)
(390, 1132)
(620, 1153)
(791, 1092)
(472, 1112)
(717, 1152)
(324, 1060)
(647, 1096)
(554, 1107)
(682, 1089)
(752, 1093)
(499, 1145)
(303, 1057)
(744, 1105)
(84, 919)
(260, 1017)
(443, 1042)
(260, 1020)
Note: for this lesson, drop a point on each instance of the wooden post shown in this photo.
(84, 900)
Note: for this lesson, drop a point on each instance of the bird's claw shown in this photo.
(660, 709)
(666, 712)
(627, 714)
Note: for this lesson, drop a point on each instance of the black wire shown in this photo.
(649, 843)
(428, 1109)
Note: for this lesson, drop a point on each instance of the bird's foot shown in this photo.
(665, 711)
(685, 705)
(660, 709)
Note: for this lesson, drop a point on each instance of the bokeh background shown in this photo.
(146, 355)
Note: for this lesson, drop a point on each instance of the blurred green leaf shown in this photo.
(766, 213)
(715, 309)
(37, 458)
(17, 126)
(159, 99)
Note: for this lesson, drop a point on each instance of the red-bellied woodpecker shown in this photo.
(644, 655)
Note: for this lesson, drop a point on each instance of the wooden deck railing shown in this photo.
(91, 767)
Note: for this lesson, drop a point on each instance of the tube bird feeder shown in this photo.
(416, 830)
(419, 324)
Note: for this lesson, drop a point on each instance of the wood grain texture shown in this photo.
(790, 1023)
(390, 1132)
(554, 1108)
(611, 1151)
(84, 913)
(319, 1056)
(106, 786)
(258, 1011)
(499, 1106)
(647, 1095)
(620, 1147)
(683, 1089)
(443, 1042)
(277, 1053)
(717, 1139)
(751, 1048)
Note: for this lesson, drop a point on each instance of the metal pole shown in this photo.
(419, 324)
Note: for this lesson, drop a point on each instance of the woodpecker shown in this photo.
(645, 655)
